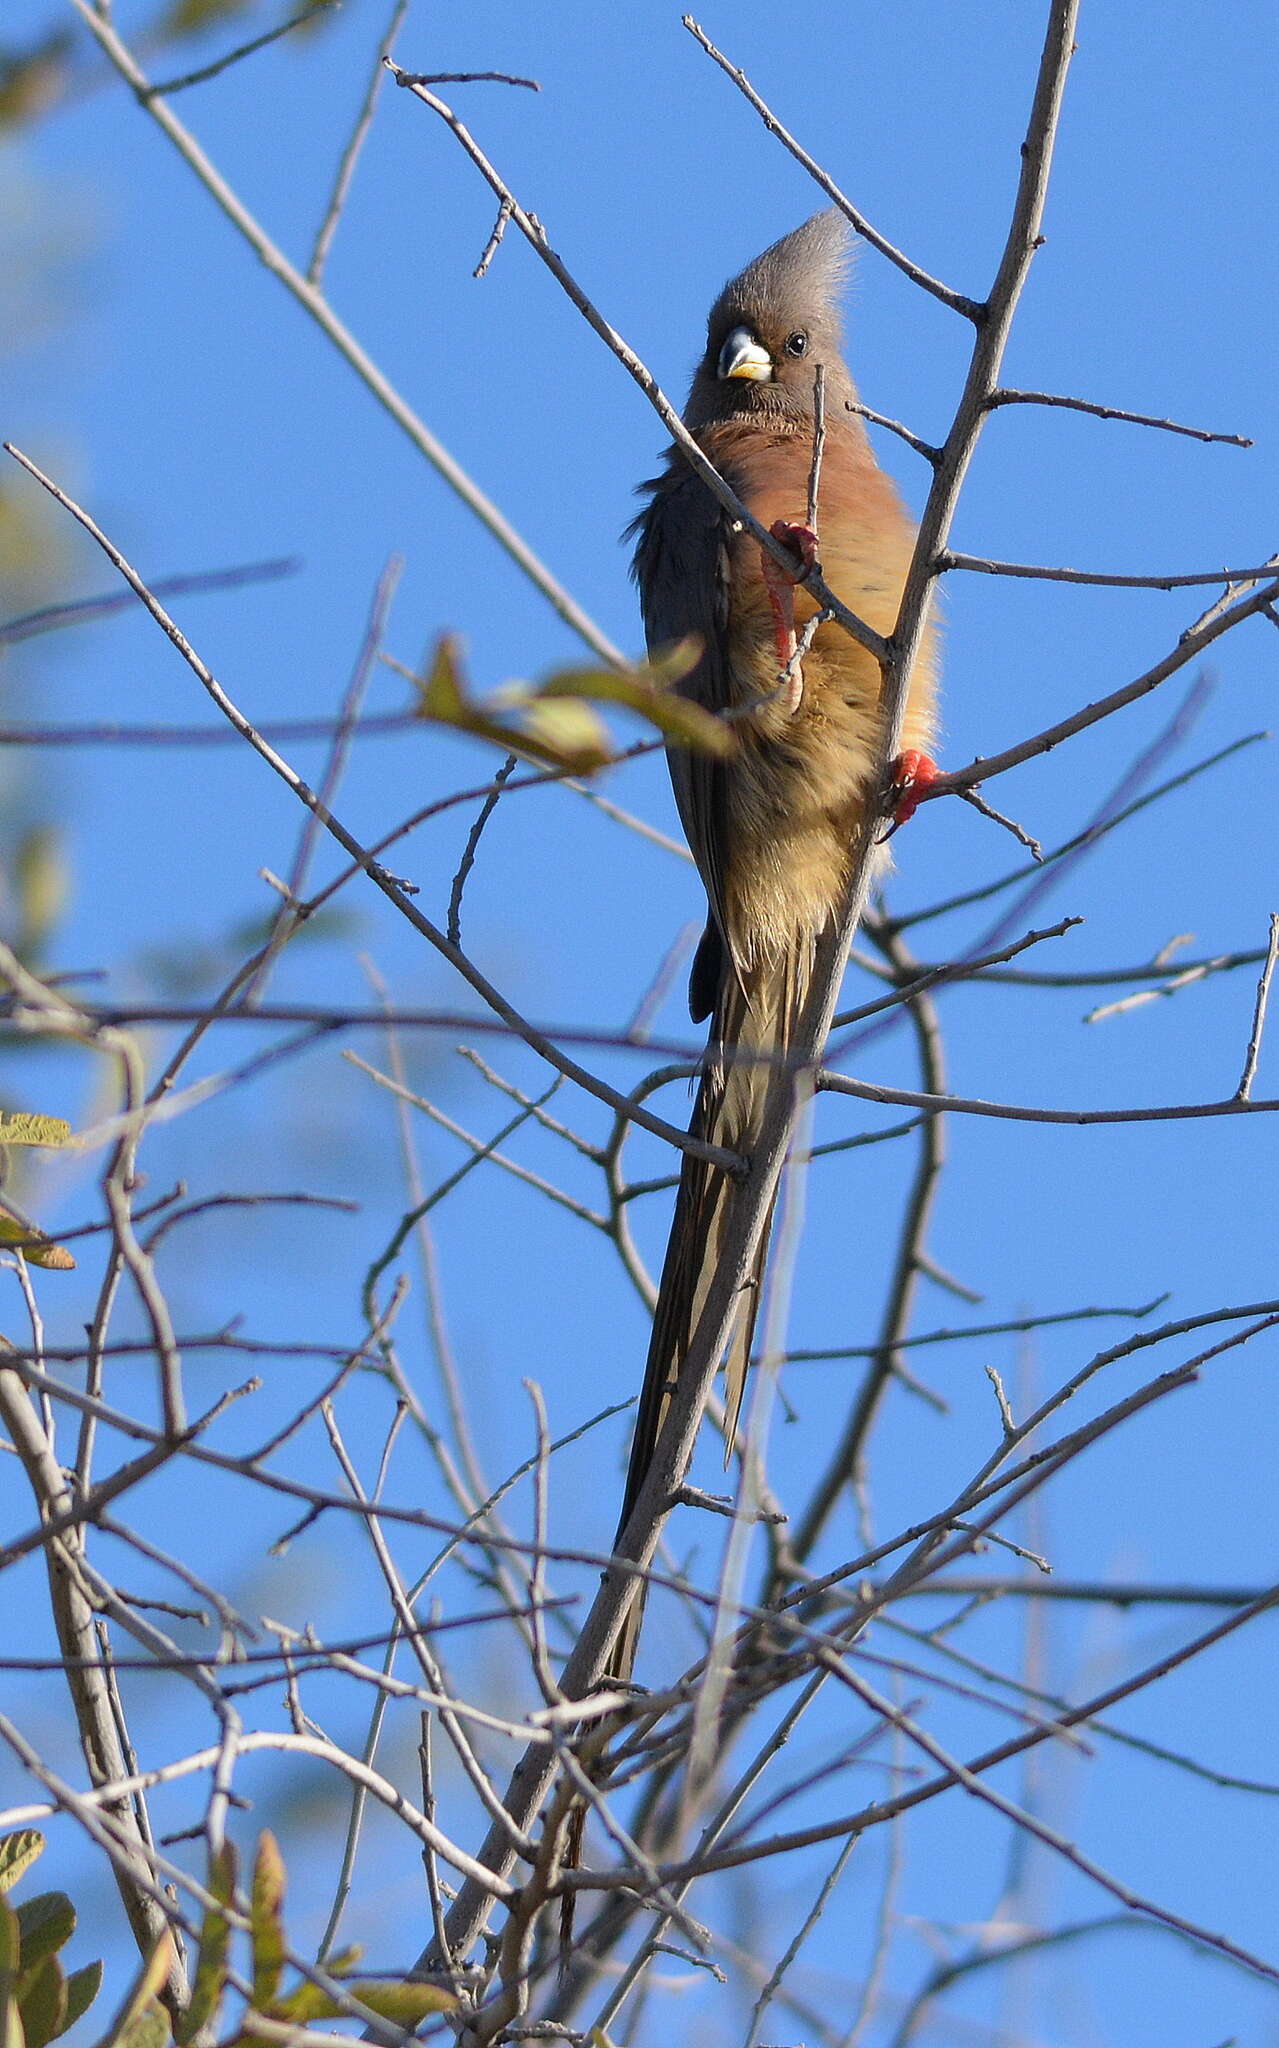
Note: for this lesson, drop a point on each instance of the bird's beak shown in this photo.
(743, 356)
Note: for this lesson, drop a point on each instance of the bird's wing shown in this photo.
(683, 570)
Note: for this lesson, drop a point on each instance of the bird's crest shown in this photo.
(802, 275)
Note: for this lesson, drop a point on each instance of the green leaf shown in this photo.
(444, 700)
(40, 884)
(405, 2004)
(188, 17)
(648, 690)
(10, 1940)
(26, 1127)
(147, 2029)
(441, 695)
(215, 1942)
(47, 1922)
(83, 1987)
(11, 2034)
(43, 2003)
(10, 1948)
(343, 1960)
(17, 1853)
(534, 719)
(566, 734)
(141, 2021)
(265, 1906)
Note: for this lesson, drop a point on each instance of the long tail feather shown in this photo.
(754, 1025)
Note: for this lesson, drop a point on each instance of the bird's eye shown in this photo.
(797, 344)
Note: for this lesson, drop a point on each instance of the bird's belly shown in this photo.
(799, 785)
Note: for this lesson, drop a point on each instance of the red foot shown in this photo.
(912, 774)
(780, 585)
(801, 540)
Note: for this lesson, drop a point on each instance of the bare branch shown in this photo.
(313, 302)
(955, 300)
(1244, 1089)
(1007, 396)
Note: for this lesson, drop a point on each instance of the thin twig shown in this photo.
(313, 301)
(535, 234)
(1244, 1089)
(494, 241)
(377, 874)
(753, 1197)
(982, 566)
(957, 301)
(979, 803)
(453, 925)
(220, 64)
(1210, 627)
(351, 154)
(87, 611)
(1007, 396)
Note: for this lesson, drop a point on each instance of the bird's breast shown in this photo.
(807, 760)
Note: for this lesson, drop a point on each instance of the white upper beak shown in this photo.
(743, 356)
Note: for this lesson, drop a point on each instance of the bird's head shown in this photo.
(771, 326)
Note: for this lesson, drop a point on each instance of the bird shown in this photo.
(773, 827)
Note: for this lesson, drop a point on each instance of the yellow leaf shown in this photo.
(40, 876)
(570, 734)
(442, 695)
(550, 721)
(137, 2018)
(27, 1127)
(17, 1853)
(265, 1912)
(36, 1248)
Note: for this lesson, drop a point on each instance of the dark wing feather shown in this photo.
(683, 571)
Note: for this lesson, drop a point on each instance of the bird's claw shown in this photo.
(800, 541)
(911, 775)
(780, 583)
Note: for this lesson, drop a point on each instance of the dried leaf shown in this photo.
(31, 81)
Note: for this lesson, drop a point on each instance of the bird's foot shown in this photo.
(911, 774)
(780, 586)
(801, 541)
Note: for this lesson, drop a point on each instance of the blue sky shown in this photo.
(206, 422)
